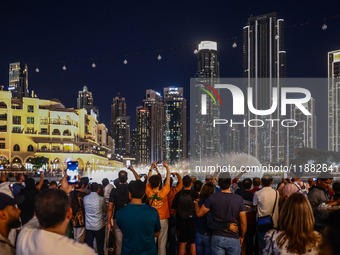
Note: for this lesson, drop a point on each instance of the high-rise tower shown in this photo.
(334, 100)
(264, 67)
(175, 124)
(18, 79)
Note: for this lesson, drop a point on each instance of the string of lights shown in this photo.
(159, 57)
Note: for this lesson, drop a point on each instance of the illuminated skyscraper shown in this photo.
(334, 100)
(18, 80)
(122, 135)
(85, 100)
(154, 103)
(233, 140)
(142, 136)
(205, 138)
(304, 134)
(264, 66)
(175, 124)
(120, 123)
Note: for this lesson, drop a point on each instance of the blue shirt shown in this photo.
(138, 223)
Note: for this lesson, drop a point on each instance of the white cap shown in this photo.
(207, 45)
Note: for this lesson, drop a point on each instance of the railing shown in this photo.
(79, 152)
(17, 131)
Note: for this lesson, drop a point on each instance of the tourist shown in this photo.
(172, 219)
(203, 233)
(296, 234)
(78, 212)
(18, 185)
(256, 184)
(138, 222)
(107, 190)
(184, 205)
(227, 212)
(266, 202)
(29, 192)
(53, 185)
(158, 198)
(45, 233)
(119, 197)
(247, 195)
(318, 195)
(330, 235)
(9, 219)
(94, 206)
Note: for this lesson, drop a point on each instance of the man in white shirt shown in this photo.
(95, 208)
(45, 233)
(265, 200)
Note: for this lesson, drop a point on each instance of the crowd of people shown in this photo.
(151, 215)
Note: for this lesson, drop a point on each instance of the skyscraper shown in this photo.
(118, 108)
(122, 135)
(205, 138)
(18, 79)
(304, 134)
(264, 66)
(334, 100)
(85, 100)
(120, 125)
(233, 140)
(154, 103)
(175, 124)
(142, 135)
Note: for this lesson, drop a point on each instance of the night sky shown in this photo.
(48, 34)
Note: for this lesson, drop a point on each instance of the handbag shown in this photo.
(266, 223)
(111, 242)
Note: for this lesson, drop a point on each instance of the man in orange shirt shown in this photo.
(172, 219)
(158, 198)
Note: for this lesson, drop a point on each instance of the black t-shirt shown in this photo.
(175, 203)
(226, 207)
(246, 195)
(119, 196)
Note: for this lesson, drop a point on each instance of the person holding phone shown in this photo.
(158, 198)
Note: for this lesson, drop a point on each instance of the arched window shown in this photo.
(67, 133)
(30, 148)
(3, 105)
(16, 147)
(56, 132)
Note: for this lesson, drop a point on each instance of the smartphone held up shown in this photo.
(72, 172)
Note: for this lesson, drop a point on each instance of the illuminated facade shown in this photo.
(264, 67)
(18, 80)
(142, 136)
(122, 135)
(154, 103)
(32, 127)
(304, 134)
(175, 124)
(206, 139)
(334, 101)
(233, 140)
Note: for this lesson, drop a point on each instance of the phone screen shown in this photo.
(72, 172)
(160, 163)
(128, 163)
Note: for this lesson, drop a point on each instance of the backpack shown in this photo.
(302, 189)
(186, 207)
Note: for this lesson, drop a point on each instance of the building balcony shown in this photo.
(95, 152)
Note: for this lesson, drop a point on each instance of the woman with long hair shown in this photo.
(203, 233)
(296, 234)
